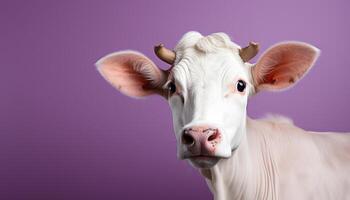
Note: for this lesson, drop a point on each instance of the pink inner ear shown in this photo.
(131, 73)
(283, 65)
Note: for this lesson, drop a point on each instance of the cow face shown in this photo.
(207, 88)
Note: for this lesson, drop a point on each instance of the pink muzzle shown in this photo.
(201, 140)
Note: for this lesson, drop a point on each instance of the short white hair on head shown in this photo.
(206, 44)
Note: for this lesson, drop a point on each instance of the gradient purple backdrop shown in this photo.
(66, 134)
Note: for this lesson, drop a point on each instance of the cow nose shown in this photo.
(188, 138)
(201, 139)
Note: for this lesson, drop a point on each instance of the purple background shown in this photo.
(66, 134)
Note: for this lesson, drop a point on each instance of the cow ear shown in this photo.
(132, 73)
(283, 65)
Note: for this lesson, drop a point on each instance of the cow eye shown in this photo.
(172, 88)
(241, 85)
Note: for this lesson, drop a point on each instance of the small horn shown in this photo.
(249, 51)
(164, 54)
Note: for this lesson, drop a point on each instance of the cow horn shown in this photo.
(249, 51)
(164, 54)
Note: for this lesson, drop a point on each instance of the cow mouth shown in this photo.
(202, 161)
(205, 161)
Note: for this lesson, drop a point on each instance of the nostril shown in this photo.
(187, 139)
(213, 136)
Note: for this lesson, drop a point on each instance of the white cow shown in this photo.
(207, 87)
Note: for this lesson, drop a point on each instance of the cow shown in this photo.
(207, 85)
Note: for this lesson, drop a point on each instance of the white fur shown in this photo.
(206, 69)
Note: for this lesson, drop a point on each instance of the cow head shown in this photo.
(207, 86)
